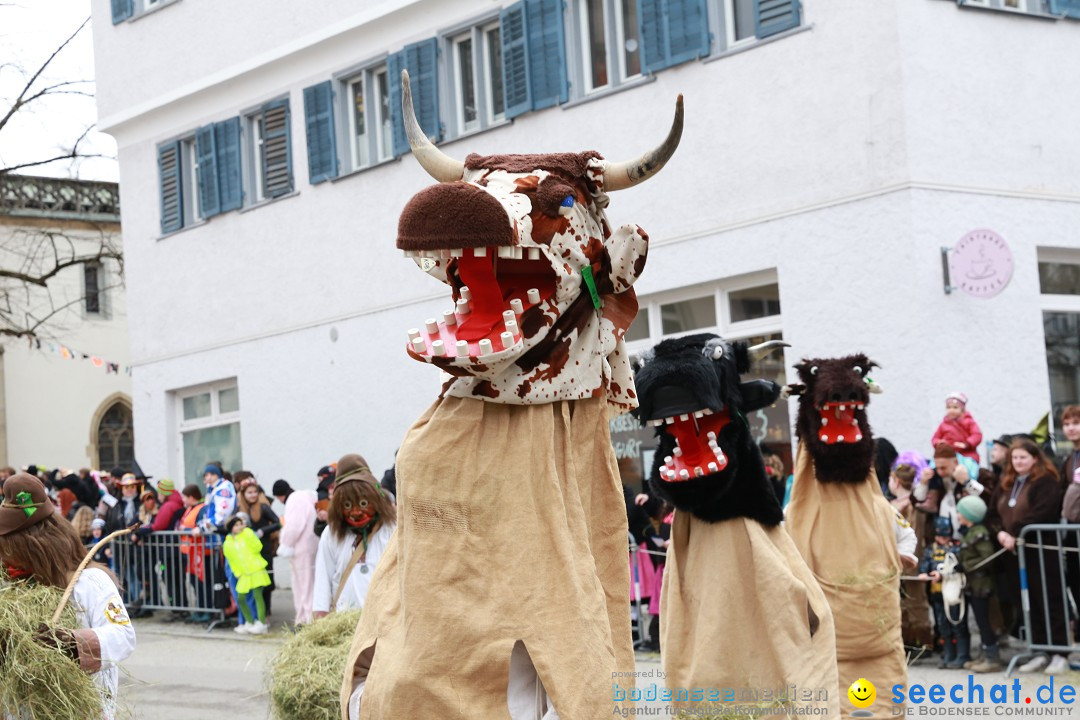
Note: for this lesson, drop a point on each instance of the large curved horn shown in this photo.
(757, 352)
(621, 175)
(438, 164)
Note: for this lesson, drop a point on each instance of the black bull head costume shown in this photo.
(706, 462)
(741, 608)
(503, 591)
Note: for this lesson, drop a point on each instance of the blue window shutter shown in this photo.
(1069, 8)
(688, 31)
(653, 34)
(206, 172)
(227, 146)
(775, 16)
(515, 60)
(122, 10)
(319, 126)
(547, 52)
(672, 32)
(422, 61)
(276, 156)
(171, 188)
(395, 63)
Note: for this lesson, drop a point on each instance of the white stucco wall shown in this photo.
(52, 403)
(843, 156)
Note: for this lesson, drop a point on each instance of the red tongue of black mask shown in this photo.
(478, 273)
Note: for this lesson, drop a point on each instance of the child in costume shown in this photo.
(243, 550)
(954, 631)
(299, 544)
(852, 539)
(976, 549)
(505, 586)
(360, 521)
(958, 428)
(36, 542)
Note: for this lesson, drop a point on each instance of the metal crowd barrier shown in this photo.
(177, 571)
(1055, 561)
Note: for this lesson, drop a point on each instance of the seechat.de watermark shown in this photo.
(975, 699)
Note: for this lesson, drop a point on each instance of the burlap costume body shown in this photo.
(528, 495)
(846, 534)
(745, 613)
(503, 591)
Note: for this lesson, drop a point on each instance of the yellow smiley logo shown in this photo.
(862, 693)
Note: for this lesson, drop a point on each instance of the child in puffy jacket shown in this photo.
(958, 428)
(243, 550)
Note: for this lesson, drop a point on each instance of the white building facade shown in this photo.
(831, 150)
(65, 393)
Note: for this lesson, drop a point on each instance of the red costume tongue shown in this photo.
(838, 423)
(478, 273)
(692, 436)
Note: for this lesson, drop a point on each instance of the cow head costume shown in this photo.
(525, 246)
(532, 347)
(706, 462)
(832, 421)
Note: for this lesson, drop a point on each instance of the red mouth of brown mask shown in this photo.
(838, 423)
(497, 286)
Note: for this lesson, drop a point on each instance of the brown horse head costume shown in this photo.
(503, 590)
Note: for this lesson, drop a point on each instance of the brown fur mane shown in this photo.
(570, 165)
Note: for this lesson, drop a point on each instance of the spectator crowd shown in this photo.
(204, 553)
(963, 601)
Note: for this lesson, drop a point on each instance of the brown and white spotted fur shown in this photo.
(516, 212)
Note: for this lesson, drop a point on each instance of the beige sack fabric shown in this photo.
(741, 611)
(847, 536)
(511, 527)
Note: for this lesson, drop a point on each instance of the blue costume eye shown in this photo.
(568, 201)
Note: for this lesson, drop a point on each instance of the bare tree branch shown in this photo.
(34, 78)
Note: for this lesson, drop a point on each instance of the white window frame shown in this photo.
(728, 15)
(614, 46)
(724, 326)
(487, 115)
(189, 179)
(1059, 303)
(254, 148)
(463, 125)
(494, 115)
(378, 131)
(214, 419)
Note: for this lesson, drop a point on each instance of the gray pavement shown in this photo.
(183, 671)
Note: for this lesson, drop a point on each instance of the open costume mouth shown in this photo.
(492, 288)
(697, 453)
(838, 422)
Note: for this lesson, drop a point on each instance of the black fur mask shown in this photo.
(706, 462)
(832, 416)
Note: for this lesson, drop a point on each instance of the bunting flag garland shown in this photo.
(67, 353)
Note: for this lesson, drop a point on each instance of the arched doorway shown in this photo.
(114, 436)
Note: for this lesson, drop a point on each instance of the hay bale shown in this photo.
(36, 682)
(306, 676)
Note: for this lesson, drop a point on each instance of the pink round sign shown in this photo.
(981, 263)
